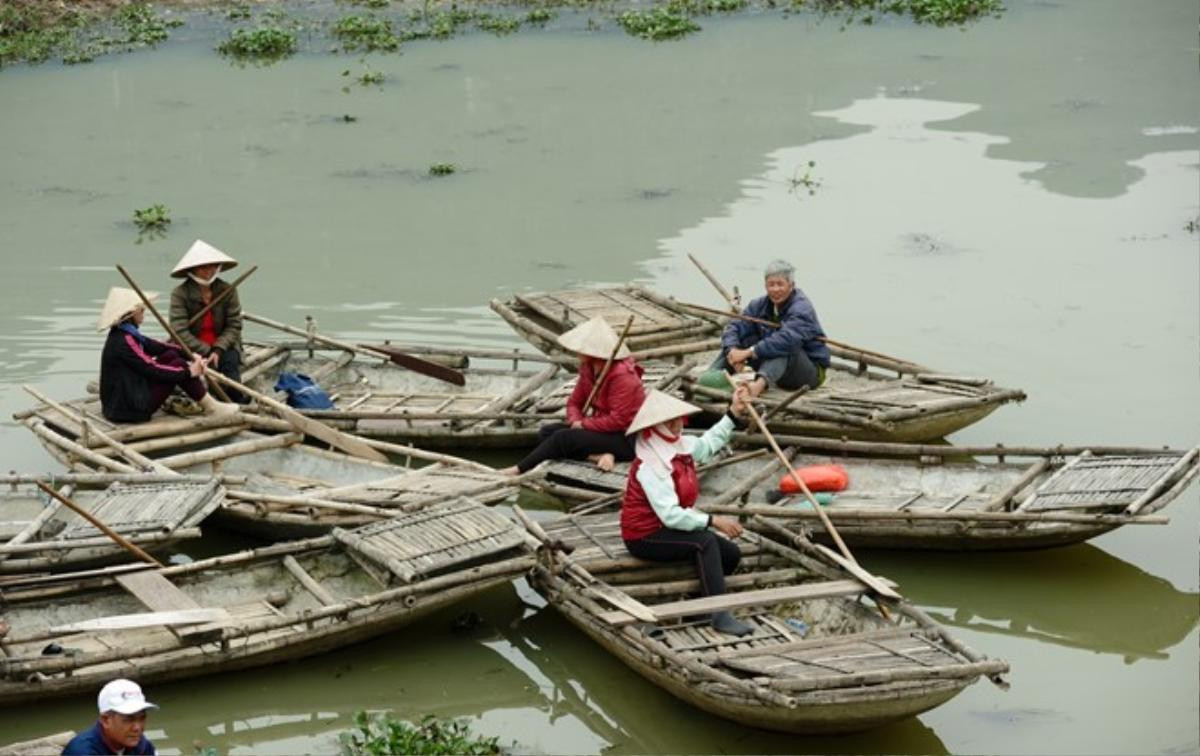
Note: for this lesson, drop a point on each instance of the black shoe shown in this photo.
(725, 622)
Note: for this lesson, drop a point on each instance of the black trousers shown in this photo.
(561, 441)
(715, 557)
(229, 364)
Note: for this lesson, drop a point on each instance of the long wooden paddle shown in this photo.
(220, 297)
(607, 365)
(114, 535)
(735, 312)
(397, 356)
(314, 428)
(851, 563)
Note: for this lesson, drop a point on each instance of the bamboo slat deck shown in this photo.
(282, 602)
(819, 661)
(918, 503)
(153, 516)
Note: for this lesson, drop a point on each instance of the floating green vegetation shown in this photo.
(347, 118)
(936, 12)
(659, 23)
(445, 24)
(382, 735)
(805, 182)
(365, 33)
(442, 169)
(368, 76)
(266, 44)
(539, 16)
(498, 25)
(369, 3)
(153, 218)
(238, 12)
(34, 32)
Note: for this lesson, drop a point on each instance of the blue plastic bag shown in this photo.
(303, 392)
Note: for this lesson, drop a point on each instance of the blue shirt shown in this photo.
(90, 742)
(798, 330)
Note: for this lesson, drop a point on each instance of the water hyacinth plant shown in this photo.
(267, 43)
(382, 735)
(154, 218)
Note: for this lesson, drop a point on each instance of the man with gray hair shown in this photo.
(789, 354)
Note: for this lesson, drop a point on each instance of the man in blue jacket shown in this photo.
(789, 356)
(121, 726)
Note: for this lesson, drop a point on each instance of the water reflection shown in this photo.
(1078, 597)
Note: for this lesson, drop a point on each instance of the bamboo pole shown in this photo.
(114, 535)
(65, 546)
(220, 297)
(314, 428)
(607, 365)
(1161, 484)
(103, 479)
(865, 578)
(125, 451)
(850, 516)
(918, 451)
(1001, 500)
(39, 427)
(733, 303)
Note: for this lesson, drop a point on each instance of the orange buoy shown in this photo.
(817, 478)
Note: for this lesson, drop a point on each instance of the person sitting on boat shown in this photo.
(600, 434)
(122, 724)
(138, 373)
(217, 335)
(659, 518)
(790, 356)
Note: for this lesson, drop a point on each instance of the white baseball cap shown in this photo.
(123, 697)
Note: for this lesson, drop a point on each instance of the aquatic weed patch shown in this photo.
(936, 12)
(366, 33)
(443, 169)
(33, 32)
(266, 44)
(662, 22)
(383, 734)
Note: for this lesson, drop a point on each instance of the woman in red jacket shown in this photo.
(599, 435)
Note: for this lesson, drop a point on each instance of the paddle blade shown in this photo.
(418, 365)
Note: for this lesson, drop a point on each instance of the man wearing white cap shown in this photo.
(217, 335)
(121, 726)
(138, 373)
(598, 435)
(659, 519)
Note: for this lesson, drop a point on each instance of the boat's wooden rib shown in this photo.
(919, 502)
(153, 516)
(818, 660)
(280, 602)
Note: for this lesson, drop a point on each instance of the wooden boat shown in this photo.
(866, 396)
(48, 745)
(818, 660)
(68, 634)
(938, 497)
(293, 490)
(39, 535)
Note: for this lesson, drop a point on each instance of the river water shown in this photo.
(1010, 200)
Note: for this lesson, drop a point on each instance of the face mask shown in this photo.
(203, 281)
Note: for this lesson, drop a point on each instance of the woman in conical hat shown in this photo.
(600, 434)
(138, 373)
(659, 518)
(217, 335)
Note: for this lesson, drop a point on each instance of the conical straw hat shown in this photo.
(202, 253)
(595, 338)
(120, 302)
(659, 408)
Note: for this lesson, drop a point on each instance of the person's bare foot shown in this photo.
(512, 470)
(604, 461)
(756, 387)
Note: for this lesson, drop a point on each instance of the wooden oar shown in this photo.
(875, 584)
(220, 297)
(735, 312)
(398, 357)
(314, 428)
(114, 535)
(607, 365)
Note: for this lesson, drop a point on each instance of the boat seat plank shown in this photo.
(155, 591)
(743, 599)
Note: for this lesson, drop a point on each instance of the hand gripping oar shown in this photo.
(735, 312)
(114, 535)
(865, 577)
(312, 427)
(220, 297)
(607, 364)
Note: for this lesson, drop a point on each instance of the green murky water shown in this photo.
(1008, 200)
